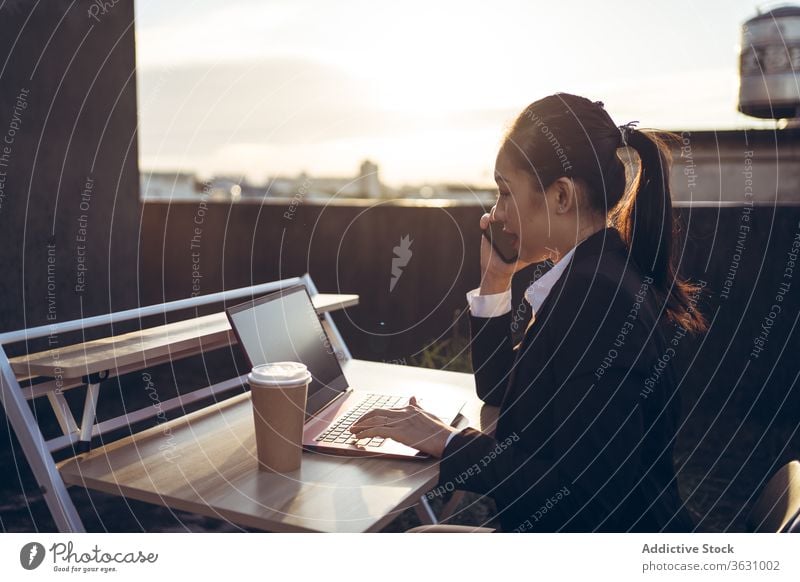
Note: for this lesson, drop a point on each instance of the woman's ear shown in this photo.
(564, 195)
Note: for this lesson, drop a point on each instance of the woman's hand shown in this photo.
(409, 425)
(495, 273)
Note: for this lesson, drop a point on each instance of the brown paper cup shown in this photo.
(278, 392)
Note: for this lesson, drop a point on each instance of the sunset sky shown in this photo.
(424, 89)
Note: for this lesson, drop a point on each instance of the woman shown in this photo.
(588, 412)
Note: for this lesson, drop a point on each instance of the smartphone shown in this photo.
(501, 242)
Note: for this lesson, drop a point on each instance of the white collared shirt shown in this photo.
(500, 303)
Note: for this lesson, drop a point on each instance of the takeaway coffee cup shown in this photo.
(278, 391)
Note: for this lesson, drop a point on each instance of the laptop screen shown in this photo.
(284, 326)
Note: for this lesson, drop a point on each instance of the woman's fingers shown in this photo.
(371, 421)
(375, 431)
(362, 424)
(411, 426)
(485, 220)
(387, 412)
(379, 420)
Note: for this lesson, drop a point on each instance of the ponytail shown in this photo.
(569, 135)
(645, 220)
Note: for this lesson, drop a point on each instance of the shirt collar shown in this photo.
(540, 289)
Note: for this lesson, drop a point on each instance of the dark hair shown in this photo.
(568, 135)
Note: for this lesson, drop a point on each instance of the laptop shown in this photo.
(284, 326)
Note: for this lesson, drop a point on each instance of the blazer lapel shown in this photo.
(605, 240)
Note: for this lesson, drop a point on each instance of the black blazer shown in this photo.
(587, 412)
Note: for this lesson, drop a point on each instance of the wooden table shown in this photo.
(205, 463)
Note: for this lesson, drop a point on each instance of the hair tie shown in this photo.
(625, 132)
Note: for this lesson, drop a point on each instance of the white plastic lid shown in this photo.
(279, 374)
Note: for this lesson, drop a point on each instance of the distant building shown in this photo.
(754, 165)
(466, 193)
(365, 185)
(370, 183)
(738, 166)
(164, 185)
(224, 188)
(167, 185)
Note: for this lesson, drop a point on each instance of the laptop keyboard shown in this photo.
(339, 432)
